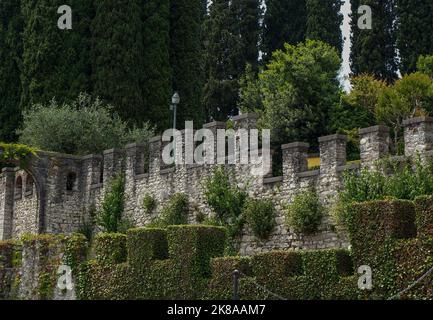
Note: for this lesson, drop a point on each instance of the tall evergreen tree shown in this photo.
(324, 22)
(157, 72)
(55, 62)
(232, 41)
(10, 66)
(284, 21)
(414, 31)
(373, 50)
(187, 57)
(117, 56)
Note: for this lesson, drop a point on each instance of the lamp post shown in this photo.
(175, 100)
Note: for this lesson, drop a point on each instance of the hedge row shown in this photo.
(171, 264)
(382, 234)
(185, 262)
(292, 275)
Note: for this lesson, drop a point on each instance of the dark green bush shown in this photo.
(110, 214)
(260, 216)
(176, 211)
(305, 213)
(374, 227)
(149, 203)
(227, 201)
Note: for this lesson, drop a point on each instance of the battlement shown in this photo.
(56, 192)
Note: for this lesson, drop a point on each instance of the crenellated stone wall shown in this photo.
(58, 192)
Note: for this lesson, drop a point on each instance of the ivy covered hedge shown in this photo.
(383, 236)
(186, 262)
(44, 254)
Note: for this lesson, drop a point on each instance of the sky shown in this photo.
(345, 69)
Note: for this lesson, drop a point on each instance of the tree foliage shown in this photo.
(157, 72)
(56, 62)
(414, 32)
(81, 127)
(373, 50)
(11, 24)
(232, 30)
(284, 22)
(324, 20)
(299, 88)
(187, 56)
(117, 57)
(408, 97)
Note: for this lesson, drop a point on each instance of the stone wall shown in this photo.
(66, 189)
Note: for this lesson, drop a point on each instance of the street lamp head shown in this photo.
(176, 98)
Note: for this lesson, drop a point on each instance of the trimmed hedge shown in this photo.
(221, 284)
(424, 215)
(323, 270)
(145, 245)
(110, 248)
(184, 275)
(414, 258)
(185, 262)
(372, 224)
(191, 248)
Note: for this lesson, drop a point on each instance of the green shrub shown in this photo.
(305, 213)
(176, 211)
(12, 153)
(405, 180)
(260, 216)
(125, 224)
(83, 126)
(149, 203)
(112, 205)
(227, 201)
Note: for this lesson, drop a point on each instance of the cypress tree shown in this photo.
(117, 56)
(374, 51)
(10, 65)
(414, 31)
(247, 14)
(232, 30)
(55, 62)
(187, 57)
(324, 22)
(157, 72)
(284, 21)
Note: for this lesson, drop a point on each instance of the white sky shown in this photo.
(345, 69)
